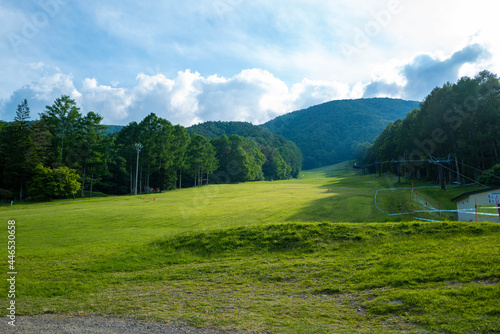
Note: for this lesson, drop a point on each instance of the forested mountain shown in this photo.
(338, 130)
(275, 147)
(113, 129)
(460, 121)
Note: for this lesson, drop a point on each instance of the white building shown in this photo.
(480, 205)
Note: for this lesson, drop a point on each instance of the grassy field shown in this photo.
(312, 255)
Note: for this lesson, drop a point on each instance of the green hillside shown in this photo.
(248, 130)
(265, 139)
(273, 257)
(113, 129)
(332, 132)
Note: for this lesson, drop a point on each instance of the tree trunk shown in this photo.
(91, 182)
(406, 173)
(160, 182)
(495, 150)
(131, 180)
(207, 178)
(21, 193)
(84, 172)
(180, 180)
(458, 171)
(463, 176)
(62, 147)
(398, 171)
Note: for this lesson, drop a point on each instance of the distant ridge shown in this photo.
(333, 131)
(114, 128)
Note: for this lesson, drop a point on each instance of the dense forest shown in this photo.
(65, 153)
(277, 150)
(457, 126)
(338, 130)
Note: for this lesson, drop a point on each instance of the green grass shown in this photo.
(311, 255)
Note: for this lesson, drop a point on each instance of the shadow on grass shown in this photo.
(347, 199)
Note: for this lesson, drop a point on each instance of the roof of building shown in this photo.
(458, 198)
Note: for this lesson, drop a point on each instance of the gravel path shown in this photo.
(60, 324)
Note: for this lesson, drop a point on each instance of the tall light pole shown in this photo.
(138, 147)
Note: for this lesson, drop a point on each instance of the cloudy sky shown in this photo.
(199, 60)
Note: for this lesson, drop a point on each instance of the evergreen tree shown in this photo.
(23, 113)
(156, 136)
(62, 118)
(16, 149)
(179, 147)
(91, 151)
(200, 158)
(43, 151)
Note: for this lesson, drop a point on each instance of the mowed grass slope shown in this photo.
(311, 255)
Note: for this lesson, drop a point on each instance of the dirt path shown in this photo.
(56, 324)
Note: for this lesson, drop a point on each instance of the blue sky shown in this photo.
(195, 61)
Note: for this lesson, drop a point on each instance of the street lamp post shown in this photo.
(138, 147)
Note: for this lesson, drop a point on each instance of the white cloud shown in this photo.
(416, 78)
(111, 103)
(55, 84)
(390, 71)
(253, 95)
(173, 99)
(44, 84)
(311, 92)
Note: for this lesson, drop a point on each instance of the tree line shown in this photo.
(458, 123)
(65, 153)
(283, 157)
